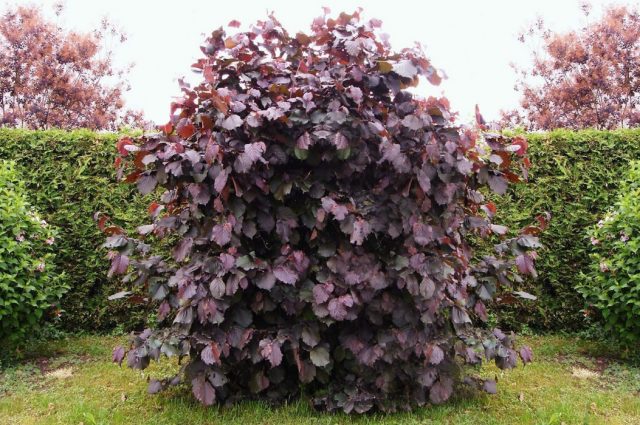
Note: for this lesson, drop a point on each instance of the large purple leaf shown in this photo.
(441, 391)
(146, 183)
(221, 234)
(270, 350)
(203, 390)
(252, 153)
(285, 275)
(232, 122)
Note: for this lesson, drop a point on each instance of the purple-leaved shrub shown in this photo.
(319, 217)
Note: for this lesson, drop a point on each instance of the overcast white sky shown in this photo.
(472, 41)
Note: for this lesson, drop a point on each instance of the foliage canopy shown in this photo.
(588, 78)
(319, 217)
(50, 77)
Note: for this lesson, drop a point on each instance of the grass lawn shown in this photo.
(72, 381)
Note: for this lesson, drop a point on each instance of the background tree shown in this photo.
(50, 77)
(585, 78)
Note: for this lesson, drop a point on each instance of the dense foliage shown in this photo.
(588, 78)
(29, 286)
(575, 176)
(51, 77)
(68, 176)
(612, 285)
(319, 216)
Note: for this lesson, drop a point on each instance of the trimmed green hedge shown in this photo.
(575, 176)
(69, 176)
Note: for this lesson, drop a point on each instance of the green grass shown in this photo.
(570, 382)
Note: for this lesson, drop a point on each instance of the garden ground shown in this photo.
(72, 381)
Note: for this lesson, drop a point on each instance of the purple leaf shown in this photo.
(221, 180)
(146, 184)
(203, 390)
(217, 288)
(459, 315)
(154, 386)
(481, 311)
(254, 120)
(525, 264)
(434, 354)
(355, 93)
(322, 292)
(322, 217)
(526, 354)
(266, 221)
(422, 233)
(340, 141)
(310, 336)
(337, 117)
(285, 275)
(304, 141)
(307, 101)
(339, 211)
(163, 310)
(412, 122)
(424, 181)
(337, 310)
(119, 265)
(489, 386)
(183, 249)
(370, 355)
(146, 229)
(353, 47)
(499, 230)
(445, 193)
(252, 153)
(391, 152)
(427, 288)
(232, 122)
(440, 391)
(272, 113)
(427, 377)
(118, 355)
(498, 184)
(525, 295)
(184, 315)
(221, 234)
(306, 372)
(361, 229)
(405, 68)
(270, 350)
(338, 307)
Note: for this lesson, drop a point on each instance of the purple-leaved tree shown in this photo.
(319, 217)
